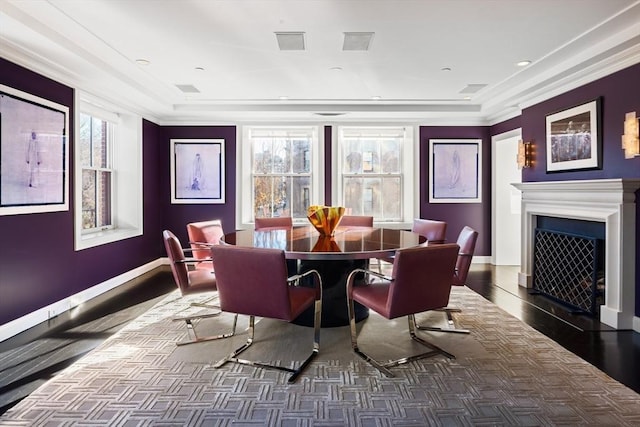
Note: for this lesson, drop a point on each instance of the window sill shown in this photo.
(106, 236)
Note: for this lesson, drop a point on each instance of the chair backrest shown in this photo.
(422, 279)
(273, 223)
(176, 254)
(356, 221)
(467, 242)
(252, 281)
(208, 232)
(434, 231)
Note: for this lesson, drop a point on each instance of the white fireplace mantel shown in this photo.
(611, 201)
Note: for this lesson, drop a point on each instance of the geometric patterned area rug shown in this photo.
(505, 373)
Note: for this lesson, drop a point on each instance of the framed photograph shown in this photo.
(34, 154)
(455, 171)
(574, 139)
(197, 171)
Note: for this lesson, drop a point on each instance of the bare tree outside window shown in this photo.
(281, 172)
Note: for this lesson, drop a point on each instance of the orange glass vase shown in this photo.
(325, 219)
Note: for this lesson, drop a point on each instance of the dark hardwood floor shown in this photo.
(31, 358)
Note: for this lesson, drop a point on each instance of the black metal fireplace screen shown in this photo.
(566, 268)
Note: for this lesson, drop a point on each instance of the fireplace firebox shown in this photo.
(568, 268)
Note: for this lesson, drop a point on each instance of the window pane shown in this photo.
(379, 197)
(96, 199)
(270, 196)
(84, 139)
(370, 158)
(391, 208)
(353, 157)
(281, 155)
(301, 156)
(353, 195)
(262, 157)
(88, 199)
(391, 151)
(103, 190)
(99, 142)
(298, 195)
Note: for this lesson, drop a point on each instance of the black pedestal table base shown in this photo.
(334, 275)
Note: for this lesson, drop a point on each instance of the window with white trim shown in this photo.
(108, 173)
(280, 173)
(374, 173)
(94, 143)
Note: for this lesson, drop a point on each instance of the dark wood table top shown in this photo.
(348, 243)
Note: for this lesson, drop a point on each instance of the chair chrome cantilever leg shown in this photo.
(233, 357)
(354, 342)
(192, 331)
(382, 367)
(451, 326)
(435, 350)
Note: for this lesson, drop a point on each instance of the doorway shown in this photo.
(506, 221)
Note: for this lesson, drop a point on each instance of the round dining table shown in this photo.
(333, 257)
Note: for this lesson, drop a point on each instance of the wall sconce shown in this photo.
(630, 138)
(524, 154)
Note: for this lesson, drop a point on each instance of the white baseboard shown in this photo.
(44, 314)
(481, 259)
(636, 323)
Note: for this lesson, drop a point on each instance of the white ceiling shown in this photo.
(93, 45)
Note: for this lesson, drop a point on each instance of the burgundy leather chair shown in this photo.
(467, 242)
(192, 281)
(278, 223)
(434, 231)
(273, 223)
(254, 282)
(203, 235)
(408, 291)
(356, 221)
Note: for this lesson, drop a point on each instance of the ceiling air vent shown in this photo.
(188, 88)
(473, 88)
(357, 41)
(290, 40)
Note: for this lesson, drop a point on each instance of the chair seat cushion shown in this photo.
(205, 265)
(374, 296)
(301, 298)
(200, 280)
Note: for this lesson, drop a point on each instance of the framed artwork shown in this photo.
(34, 154)
(573, 138)
(455, 171)
(197, 171)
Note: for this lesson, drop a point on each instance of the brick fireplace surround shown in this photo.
(611, 201)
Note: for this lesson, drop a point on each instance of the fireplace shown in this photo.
(610, 201)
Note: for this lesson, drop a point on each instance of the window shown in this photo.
(94, 143)
(282, 165)
(108, 173)
(374, 173)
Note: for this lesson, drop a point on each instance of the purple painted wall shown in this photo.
(457, 215)
(38, 263)
(176, 216)
(620, 94)
(507, 125)
(327, 165)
